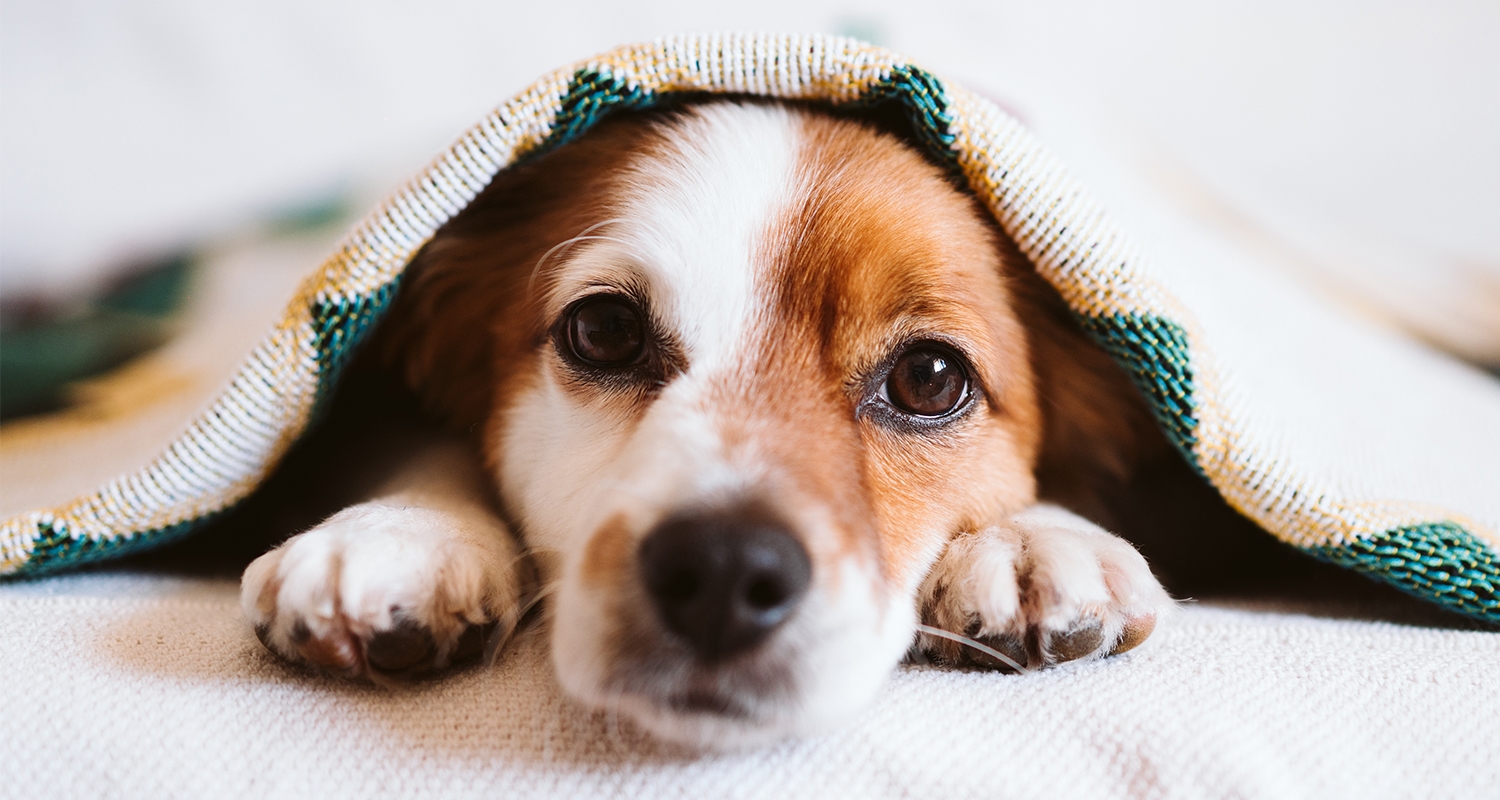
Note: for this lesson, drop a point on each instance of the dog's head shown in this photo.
(741, 371)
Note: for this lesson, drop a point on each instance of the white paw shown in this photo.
(382, 590)
(1042, 588)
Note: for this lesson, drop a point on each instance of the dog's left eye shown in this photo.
(606, 331)
(928, 380)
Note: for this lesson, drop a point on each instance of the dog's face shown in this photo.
(769, 370)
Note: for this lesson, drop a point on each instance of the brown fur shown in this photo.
(848, 286)
(469, 318)
(608, 554)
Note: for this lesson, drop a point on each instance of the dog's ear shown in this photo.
(469, 310)
(1097, 428)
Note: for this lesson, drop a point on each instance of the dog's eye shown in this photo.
(928, 380)
(606, 331)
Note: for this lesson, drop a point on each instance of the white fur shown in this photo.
(1075, 573)
(428, 546)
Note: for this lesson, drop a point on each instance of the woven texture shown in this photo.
(170, 695)
(1364, 450)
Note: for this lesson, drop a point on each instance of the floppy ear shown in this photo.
(470, 310)
(1096, 426)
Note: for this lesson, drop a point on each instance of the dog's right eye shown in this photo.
(928, 380)
(606, 331)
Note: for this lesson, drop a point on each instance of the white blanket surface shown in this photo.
(128, 685)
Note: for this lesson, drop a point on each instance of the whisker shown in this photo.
(524, 555)
(540, 595)
(565, 245)
(505, 628)
(529, 552)
(510, 620)
(967, 642)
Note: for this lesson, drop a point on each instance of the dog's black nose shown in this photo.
(723, 580)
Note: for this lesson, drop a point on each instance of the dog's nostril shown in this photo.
(765, 594)
(723, 580)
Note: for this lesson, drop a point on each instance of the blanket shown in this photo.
(134, 685)
(1358, 446)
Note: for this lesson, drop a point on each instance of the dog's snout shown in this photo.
(724, 580)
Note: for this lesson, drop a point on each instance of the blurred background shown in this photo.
(176, 165)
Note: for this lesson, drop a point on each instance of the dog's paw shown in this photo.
(381, 591)
(1042, 588)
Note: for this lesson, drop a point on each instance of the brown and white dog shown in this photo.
(760, 390)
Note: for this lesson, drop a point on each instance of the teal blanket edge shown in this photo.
(1439, 561)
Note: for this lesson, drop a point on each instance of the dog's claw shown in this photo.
(1012, 647)
(1136, 630)
(1070, 645)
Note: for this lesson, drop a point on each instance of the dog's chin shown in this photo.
(706, 720)
(802, 686)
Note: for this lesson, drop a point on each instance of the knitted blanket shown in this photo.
(145, 686)
(1360, 447)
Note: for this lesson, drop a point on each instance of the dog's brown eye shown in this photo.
(928, 381)
(606, 331)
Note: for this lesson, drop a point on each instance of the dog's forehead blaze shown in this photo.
(875, 247)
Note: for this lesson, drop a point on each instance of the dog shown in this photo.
(772, 404)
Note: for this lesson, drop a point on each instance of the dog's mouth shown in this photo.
(752, 699)
(713, 703)
(654, 667)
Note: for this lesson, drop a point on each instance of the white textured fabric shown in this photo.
(120, 686)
